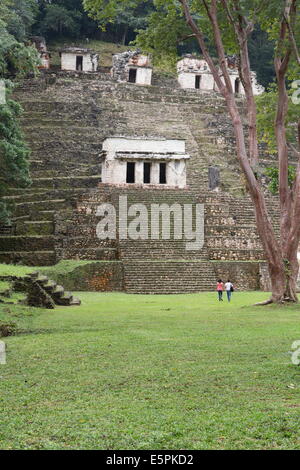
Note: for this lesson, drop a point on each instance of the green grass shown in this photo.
(63, 267)
(15, 270)
(152, 372)
(4, 286)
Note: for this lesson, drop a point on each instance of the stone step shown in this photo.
(73, 157)
(168, 277)
(63, 182)
(58, 292)
(37, 227)
(55, 293)
(43, 280)
(29, 258)
(54, 172)
(53, 146)
(75, 301)
(26, 243)
(50, 286)
(37, 206)
(92, 254)
(57, 122)
(16, 196)
(236, 254)
(74, 133)
(45, 216)
(65, 299)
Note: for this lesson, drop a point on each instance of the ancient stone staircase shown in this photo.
(42, 291)
(55, 292)
(168, 276)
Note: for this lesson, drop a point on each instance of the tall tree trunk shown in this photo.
(281, 256)
(125, 35)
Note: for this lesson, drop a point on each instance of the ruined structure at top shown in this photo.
(79, 59)
(39, 43)
(194, 73)
(132, 67)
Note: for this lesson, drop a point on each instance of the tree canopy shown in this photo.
(165, 30)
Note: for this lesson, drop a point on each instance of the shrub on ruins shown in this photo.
(7, 328)
(14, 154)
(228, 25)
(17, 58)
(272, 173)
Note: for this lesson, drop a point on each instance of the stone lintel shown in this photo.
(151, 156)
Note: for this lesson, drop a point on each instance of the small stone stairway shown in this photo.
(42, 291)
(53, 290)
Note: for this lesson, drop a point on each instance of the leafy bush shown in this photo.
(14, 154)
(7, 329)
(273, 174)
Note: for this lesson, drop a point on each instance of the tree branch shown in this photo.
(281, 63)
(241, 33)
(185, 38)
(200, 37)
(293, 12)
(212, 15)
(264, 225)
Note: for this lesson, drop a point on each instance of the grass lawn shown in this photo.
(63, 267)
(152, 372)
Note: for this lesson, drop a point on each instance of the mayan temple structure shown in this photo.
(96, 137)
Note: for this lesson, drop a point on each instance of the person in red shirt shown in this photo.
(220, 288)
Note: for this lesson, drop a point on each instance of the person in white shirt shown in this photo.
(229, 289)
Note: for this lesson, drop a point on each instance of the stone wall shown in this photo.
(69, 60)
(123, 62)
(95, 277)
(243, 275)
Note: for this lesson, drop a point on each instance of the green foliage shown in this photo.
(63, 18)
(166, 28)
(16, 58)
(261, 53)
(21, 18)
(60, 20)
(14, 153)
(273, 175)
(266, 114)
(119, 20)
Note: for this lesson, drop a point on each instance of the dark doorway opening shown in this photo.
(130, 174)
(237, 86)
(213, 177)
(197, 82)
(147, 172)
(79, 62)
(162, 173)
(132, 75)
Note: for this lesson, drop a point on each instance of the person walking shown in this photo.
(220, 288)
(229, 289)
